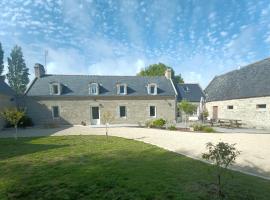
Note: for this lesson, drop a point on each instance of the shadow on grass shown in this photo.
(93, 168)
(10, 147)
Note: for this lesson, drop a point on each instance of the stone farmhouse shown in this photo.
(82, 99)
(242, 94)
(6, 98)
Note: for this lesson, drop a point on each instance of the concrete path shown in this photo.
(255, 148)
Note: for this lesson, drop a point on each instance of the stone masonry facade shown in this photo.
(77, 110)
(250, 110)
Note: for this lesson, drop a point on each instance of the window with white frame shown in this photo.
(122, 111)
(122, 89)
(152, 111)
(55, 89)
(55, 112)
(93, 89)
(152, 89)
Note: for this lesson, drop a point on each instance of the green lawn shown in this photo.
(89, 167)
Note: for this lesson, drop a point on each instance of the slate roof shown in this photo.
(250, 81)
(5, 89)
(78, 85)
(191, 92)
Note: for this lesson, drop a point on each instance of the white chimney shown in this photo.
(39, 70)
(168, 73)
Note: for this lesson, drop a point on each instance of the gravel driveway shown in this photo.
(255, 148)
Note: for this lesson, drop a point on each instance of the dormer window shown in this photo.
(152, 89)
(122, 89)
(186, 89)
(93, 89)
(55, 89)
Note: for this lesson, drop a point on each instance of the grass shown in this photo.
(89, 167)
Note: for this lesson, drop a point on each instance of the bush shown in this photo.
(208, 129)
(172, 128)
(24, 122)
(203, 128)
(158, 123)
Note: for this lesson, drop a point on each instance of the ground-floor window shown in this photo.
(152, 111)
(55, 112)
(261, 106)
(122, 111)
(230, 107)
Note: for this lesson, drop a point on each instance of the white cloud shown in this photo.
(223, 33)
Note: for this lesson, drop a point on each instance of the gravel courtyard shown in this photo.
(255, 148)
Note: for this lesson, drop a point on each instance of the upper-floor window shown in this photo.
(93, 89)
(186, 89)
(55, 89)
(122, 89)
(261, 106)
(152, 89)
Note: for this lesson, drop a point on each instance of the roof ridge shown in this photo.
(100, 75)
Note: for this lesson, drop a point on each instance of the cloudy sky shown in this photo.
(198, 38)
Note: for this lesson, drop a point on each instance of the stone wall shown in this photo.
(75, 110)
(245, 110)
(5, 102)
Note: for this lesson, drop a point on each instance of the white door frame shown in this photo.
(94, 121)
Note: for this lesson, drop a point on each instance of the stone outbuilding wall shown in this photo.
(248, 110)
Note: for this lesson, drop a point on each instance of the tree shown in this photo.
(13, 116)
(159, 70)
(1, 60)
(188, 108)
(222, 155)
(17, 71)
(107, 117)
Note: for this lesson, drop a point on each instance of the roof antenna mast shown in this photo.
(45, 59)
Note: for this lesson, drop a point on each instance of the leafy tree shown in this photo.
(188, 108)
(107, 117)
(17, 71)
(222, 155)
(13, 116)
(1, 60)
(159, 70)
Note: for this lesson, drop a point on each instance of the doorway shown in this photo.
(95, 115)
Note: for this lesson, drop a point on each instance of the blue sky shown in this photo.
(199, 39)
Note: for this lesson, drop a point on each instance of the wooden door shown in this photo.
(215, 112)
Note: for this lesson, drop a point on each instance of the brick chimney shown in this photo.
(39, 70)
(168, 73)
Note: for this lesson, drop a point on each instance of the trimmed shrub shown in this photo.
(158, 123)
(208, 129)
(172, 128)
(203, 128)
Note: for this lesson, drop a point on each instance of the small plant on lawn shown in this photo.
(107, 118)
(188, 108)
(222, 155)
(13, 117)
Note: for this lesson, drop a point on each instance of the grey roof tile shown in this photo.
(250, 81)
(5, 89)
(189, 91)
(78, 85)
